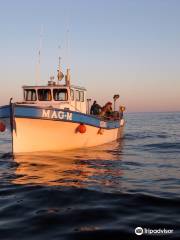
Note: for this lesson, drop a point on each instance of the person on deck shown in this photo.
(121, 111)
(106, 110)
(95, 108)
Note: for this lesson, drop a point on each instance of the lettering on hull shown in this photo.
(56, 115)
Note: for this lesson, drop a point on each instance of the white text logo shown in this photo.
(57, 115)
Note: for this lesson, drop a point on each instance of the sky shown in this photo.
(126, 47)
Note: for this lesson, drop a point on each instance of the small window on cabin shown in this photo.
(72, 94)
(81, 96)
(60, 94)
(30, 95)
(77, 95)
(44, 95)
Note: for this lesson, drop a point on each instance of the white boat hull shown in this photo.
(36, 129)
(32, 135)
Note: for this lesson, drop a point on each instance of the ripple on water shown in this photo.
(98, 193)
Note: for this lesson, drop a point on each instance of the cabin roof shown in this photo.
(54, 86)
(79, 87)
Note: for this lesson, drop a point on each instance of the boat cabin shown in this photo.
(56, 95)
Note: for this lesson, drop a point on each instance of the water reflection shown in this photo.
(80, 168)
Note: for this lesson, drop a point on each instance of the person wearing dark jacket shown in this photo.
(95, 108)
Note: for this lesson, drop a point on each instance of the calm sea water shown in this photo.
(98, 193)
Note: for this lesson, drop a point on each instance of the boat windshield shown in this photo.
(30, 95)
(60, 94)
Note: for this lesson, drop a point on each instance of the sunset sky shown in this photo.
(130, 47)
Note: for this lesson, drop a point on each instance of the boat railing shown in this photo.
(114, 116)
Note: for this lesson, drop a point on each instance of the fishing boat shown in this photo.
(56, 117)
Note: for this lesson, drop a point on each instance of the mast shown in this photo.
(115, 97)
(68, 77)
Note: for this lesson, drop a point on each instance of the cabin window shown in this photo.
(77, 95)
(81, 96)
(60, 94)
(72, 94)
(30, 95)
(44, 95)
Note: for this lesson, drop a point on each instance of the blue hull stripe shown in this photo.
(5, 111)
(58, 115)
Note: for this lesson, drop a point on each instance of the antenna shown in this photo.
(68, 48)
(67, 41)
(38, 71)
(68, 64)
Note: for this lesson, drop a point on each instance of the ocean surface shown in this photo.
(97, 193)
